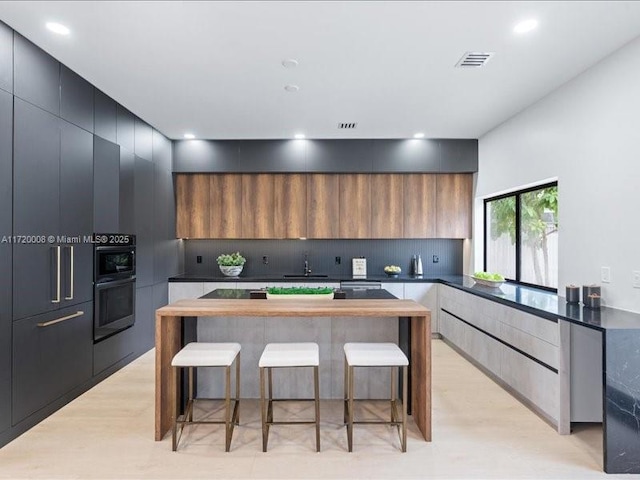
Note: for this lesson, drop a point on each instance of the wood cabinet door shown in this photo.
(355, 206)
(192, 206)
(454, 192)
(387, 210)
(257, 205)
(323, 204)
(290, 205)
(225, 202)
(419, 205)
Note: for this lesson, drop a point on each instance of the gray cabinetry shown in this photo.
(53, 210)
(125, 128)
(272, 156)
(6, 58)
(106, 186)
(127, 189)
(6, 139)
(76, 213)
(49, 358)
(144, 180)
(143, 140)
(405, 156)
(458, 155)
(339, 156)
(193, 156)
(36, 209)
(76, 99)
(105, 116)
(36, 75)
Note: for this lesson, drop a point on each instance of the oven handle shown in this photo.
(100, 286)
(61, 319)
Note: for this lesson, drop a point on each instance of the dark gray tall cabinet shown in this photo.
(6, 145)
(106, 186)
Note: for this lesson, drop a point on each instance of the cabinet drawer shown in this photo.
(49, 358)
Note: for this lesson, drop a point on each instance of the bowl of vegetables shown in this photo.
(231, 265)
(493, 280)
(392, 270)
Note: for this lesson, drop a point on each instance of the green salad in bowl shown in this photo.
(488, 279)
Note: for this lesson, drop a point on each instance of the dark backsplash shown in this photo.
(287, 256)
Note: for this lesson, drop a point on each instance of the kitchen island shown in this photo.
(169, 340)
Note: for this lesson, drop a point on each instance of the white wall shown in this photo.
(587, 135)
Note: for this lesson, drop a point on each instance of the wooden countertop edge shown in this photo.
(294, 308)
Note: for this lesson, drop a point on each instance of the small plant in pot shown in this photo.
(231, 264)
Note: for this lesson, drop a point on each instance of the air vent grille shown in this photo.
(347, 126)
(475, 59)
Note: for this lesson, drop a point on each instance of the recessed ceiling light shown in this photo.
(525, 26)
(58, 28)
(290, 63)
(189, 136)
(418, 135)
(299, 136)
(291, 88)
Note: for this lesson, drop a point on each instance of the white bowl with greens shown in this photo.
(493, 280)
(231, 265)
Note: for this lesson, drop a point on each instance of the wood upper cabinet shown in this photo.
(267, 205)
(454, 192)
(355, 206)
(290, 205)
(225, 206)
(323, 217)
(192, 206)
(387, 209)
(419, 193)
(258, 205)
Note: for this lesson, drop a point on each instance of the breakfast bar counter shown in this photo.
(169, 340)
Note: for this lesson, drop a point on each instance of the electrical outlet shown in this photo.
(199, 259)
(265, 259)
(338, 260)
(605, 274)
(636, 278)
(436, 259)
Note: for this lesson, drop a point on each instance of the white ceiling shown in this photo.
(214, 68)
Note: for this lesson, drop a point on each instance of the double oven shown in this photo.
(114, 296)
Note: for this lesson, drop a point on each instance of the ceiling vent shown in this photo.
(347, 126)
(475, 59)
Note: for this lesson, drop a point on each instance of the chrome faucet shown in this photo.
(307, 270)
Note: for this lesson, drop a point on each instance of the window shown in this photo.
(521, 236)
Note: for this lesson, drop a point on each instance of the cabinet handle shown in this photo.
(57, 300)
(71, 270)
(61, 319)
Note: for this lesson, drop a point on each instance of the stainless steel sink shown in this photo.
(305, 276)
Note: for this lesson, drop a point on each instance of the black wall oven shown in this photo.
(114, 298)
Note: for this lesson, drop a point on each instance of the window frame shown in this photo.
(516, 194)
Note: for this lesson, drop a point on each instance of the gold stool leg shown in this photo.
(263, 411)
(393, 394)
(190, 403)
(350, 420)
(237, 403)
(405, 381)
(176, 413)
(346, 388)
(316, 385)
(227, 409)
(270, 402)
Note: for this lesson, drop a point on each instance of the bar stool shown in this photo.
(287, 355)
(375, 355)
(200, 354)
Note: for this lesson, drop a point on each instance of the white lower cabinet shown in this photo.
(425, 294)
(185, 290)
(519, 349)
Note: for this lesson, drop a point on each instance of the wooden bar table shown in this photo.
(168, 340)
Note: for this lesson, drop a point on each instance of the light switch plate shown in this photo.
(605, 274)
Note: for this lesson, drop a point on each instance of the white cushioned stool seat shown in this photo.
(374, 355)
(290, 355)
(201, 354)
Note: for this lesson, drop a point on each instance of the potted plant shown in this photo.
(231, 264)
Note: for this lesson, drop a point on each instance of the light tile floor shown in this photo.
(479, 431)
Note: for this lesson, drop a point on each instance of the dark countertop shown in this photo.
(227, 293)
(538, 302)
